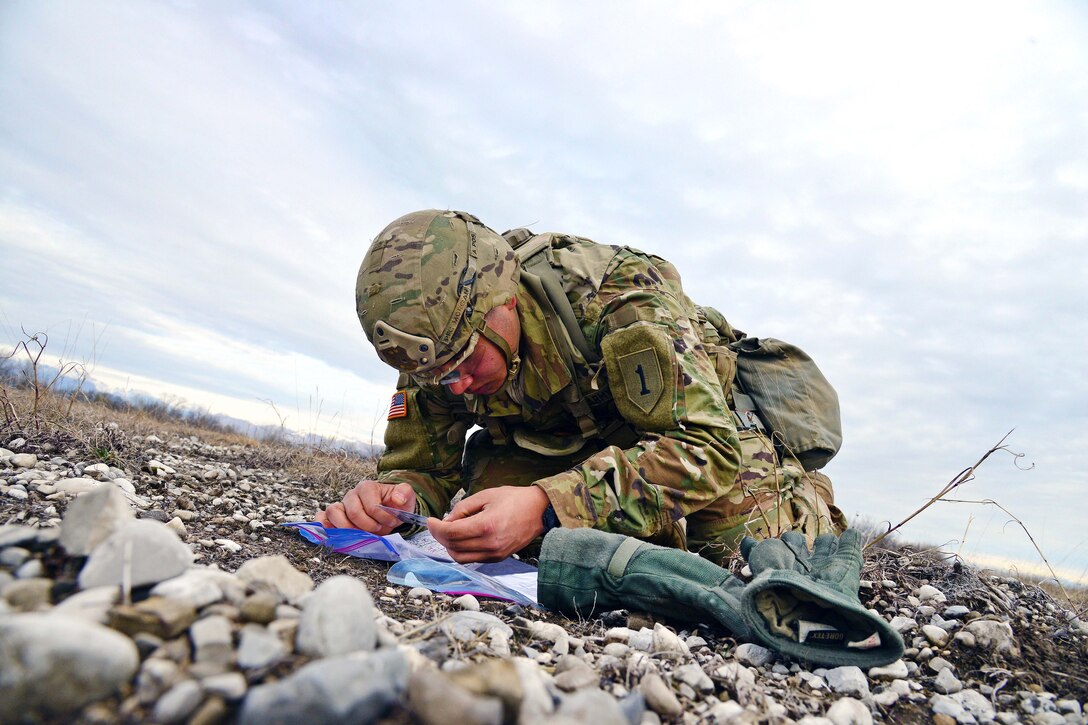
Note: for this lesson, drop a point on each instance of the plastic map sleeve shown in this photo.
(423, 562)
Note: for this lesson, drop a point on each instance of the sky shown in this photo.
(187, 190)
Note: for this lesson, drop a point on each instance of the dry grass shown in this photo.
(103, 430)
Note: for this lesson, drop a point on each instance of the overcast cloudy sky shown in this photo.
(187, 189)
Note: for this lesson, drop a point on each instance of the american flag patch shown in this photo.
(398, 406)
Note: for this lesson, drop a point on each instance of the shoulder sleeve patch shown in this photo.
(642, 373)
(642, 384)
(398, 406)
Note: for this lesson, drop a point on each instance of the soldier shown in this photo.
(603, 395)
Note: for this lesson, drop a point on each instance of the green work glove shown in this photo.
(584, 570)
(806, 604)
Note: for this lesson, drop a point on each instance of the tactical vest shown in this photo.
(771, 386)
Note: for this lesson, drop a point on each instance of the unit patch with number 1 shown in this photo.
(642, 372)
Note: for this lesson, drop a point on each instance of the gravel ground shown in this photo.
(159, 586)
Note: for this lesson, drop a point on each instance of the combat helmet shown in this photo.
(425, 285)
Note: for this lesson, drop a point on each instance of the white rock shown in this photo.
(144, 550)
(659, 697)
(693, 675)
(92, 518)
(75, 486)
(946, 683)
(886, 698)
(276, 573)
(467, 602)
(728, 711)
(929, 593)
(935, 635)
(976, 704)
(895, 671)
(259, 647)
(903, 624)
(231, 686)
(124, 484)
(179, 702)
(23, 460)
(665, 641)
(54, 664)
(753, 654)
(464, 625)
(848, 711)
(97, 470)
(848, 680)
(232, 546)
(92, 604)
(945, 705)
(19, 494)
(993, 635)
(642, 640)
(199, 586)
(337, 619)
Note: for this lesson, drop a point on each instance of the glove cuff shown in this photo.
(779, 606)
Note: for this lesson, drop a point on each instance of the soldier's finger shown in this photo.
(336, 518)
(362, 504)
(469, 506)
(360, 517)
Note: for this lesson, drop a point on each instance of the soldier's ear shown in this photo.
(511, 303)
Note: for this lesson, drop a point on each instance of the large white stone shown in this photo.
(337, 619)
(848, 711)
(54, 664)
(848, 680)
(147, 551)
(92, 517)
(277, 574)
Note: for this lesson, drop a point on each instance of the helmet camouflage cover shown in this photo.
(426, 283)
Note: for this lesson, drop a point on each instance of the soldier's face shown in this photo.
(484, 371)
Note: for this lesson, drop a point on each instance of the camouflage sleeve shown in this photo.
(423, 446)
(664, 385)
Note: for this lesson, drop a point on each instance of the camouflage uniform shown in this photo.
(665, 450)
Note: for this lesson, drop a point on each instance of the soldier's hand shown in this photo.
(493, 524)
(359, 509)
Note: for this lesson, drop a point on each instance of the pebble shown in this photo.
(935, 635)
(139, 552)
(665, 641)
(92, 518)
(276, 573)
(337, 619)
(24, 460)
(258, 647)
(28, 595)
(848, 680)
(945, 682)
(848, 711)
(467, 602)
(53, 664)
(994, 636)
(358, 687)
(179, 702)
(929, 593)
(659, 697)
(903, 624)
(436, 700)
(895, 671)
(753, 654)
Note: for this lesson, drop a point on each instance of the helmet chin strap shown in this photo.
(513, 359)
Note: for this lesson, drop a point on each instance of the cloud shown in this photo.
(898, 190)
